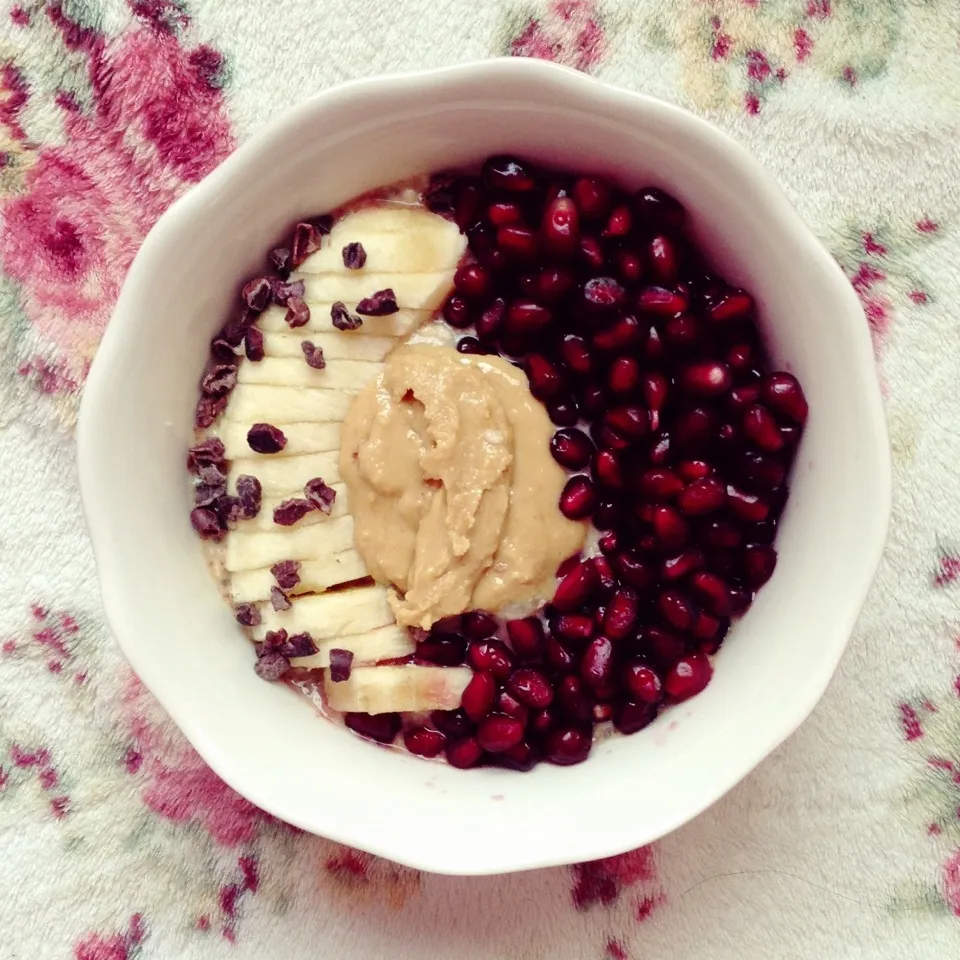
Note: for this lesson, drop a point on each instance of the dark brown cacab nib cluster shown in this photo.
(379, 304)
(342, 319)
(276, 650)
(317, 496)
(354, 256)
(266, 438)
(313, 355)
(341, 664)
(213, 508)
(320, 494)
(286, 573)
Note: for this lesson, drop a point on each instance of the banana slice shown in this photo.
(248, 551)
(414, 291)
(352, 375)
(264, 519)
(398, 324)
(336, 345)
(384, 643)
(401, 688)
(395, 239)
(256, 403)
(326, 616)
(249, 586)
(287, 475)
(301, 438)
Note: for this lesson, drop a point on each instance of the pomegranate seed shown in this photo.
(531, 688)
(603, 293)
(591, 253)
(711, 592)
(656, 208)
(760, 427)
(670, 529)
(688, 677)
(705, 627)
(623, 335)
(490, 655)
(660, 449)
(491, 320)
(528, 319)
(619, 223)
(654, 349)
(381, 727)
(607, 581)
(526, 637)
(453, 724)
(759, 561)
(764, 532)
(596, 668)
(496, 734)
(662, 302)
(568, 565)
(592, 399)
(423, 742)
(606, 469)
(574, 702)
(643, 682)
(464, 753)
(708, 378)
(471, 345)
(571, 448)
(630, 266)
(676, 610)
(478, 625)
(545, 378)
(731, 306)
(608, 543)
(553, 284)
(664, 261)
(607, 515)
(782, 392)
(602, 712)
(678, 567)
(479, 695)
(482, 238)
(720, 533)
(665, 647)
(742, 397)
(683, 333)
(559, 656)
(761, 471)
(521, 757)
(629, 422)
(504, 213)
(576, 354)
(629, 716)
(560, 228)
(655, 387)
(691, 470)
(508, 174)
(740, 601)
(568, 745)
(472, 280)
(574, 627)
(576, 587)
(518, 243)
(510, 706)
(740, 357)
(449, 651)
(746, 506)
(563, 411)
(635, 571)
(593, 197)
(621, 615)
(694, 430)
(543, 721)
(578, 499)
(469, 203)
(624, 375)
(790, 434)
(457, 312)
(659, 484)
(702, 496)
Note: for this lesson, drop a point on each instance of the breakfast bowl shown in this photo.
(267, 741)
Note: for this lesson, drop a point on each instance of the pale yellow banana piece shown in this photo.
(249, 586)
(256, 403)
(350, 375)
(384, 643)
(248, 551)
(264, 519)
(336, 345)
(398, 688)
(301, 438)
(287, 476)
(326, 616)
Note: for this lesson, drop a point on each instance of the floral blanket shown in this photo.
(117, 842)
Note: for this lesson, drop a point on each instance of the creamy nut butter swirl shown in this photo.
(452, 486)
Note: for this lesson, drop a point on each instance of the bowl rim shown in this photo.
(122, 328)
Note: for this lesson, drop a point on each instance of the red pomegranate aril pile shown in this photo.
(679, 440)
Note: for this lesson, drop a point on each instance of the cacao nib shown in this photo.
(230, 509)
(272, 642)
(279, 600)
(354, 256)
(258, 293)
(286, 573)
(247, 614)
(306, 240)
(341, 664)
(380, 304)
(206, 522)
(290, 511)
(209, 452)
(272, 666)
(282, 291)
(249, 492)
(298, 313)
(299, 645)
(320, 495)
(221, 378)
(313, 355)
(253, 344)
(280, 260)
(208, 409)
(207, 494)
(323, 223)
(265, 438)
(342, 319)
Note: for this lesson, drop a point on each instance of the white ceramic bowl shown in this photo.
(180, 637)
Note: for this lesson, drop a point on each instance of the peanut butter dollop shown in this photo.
(452, 486)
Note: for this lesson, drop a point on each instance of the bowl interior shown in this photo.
(180, 637)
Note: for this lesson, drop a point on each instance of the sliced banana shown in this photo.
(384, 643)
(258, 403)
(287, 475)
(350, 375)
(393, 325)
(395, 239)
(249, 586)
(301, 438)
(336, 345)
(326, 616)
(402, 688)
(248, 551)
(413, 291)
(264, 519)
